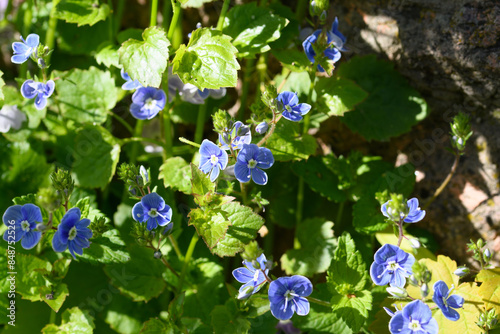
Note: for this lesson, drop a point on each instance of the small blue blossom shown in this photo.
(249, 162)
(335, 37)
(414, 214)
(24, 219)
(287, 296)
(11, 118)
(261, 128)
(213, 159)
(391, 266)
(152, 210)
(147, 102)
(415, 318)
(72, 233)
(291, 109)
(24, 50)
(447, 302)
(239, 135)
(129, 84)
(253, 278)
(41, 91)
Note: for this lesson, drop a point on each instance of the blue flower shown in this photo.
(249, 161)
(129, 84)
(446, 302)
(24, 50)
(261, 128)
(72, 233)
(24, 218)
(147, 102)
(41, 91)
(334, 38)
(414, 214)
(239, 135)
(292, 110)
(253, 278)
(391, 266)
(415, 318)
(152, 210)
(213, 159)
(286, 295)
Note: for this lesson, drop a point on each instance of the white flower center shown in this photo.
(289, 295)
(153, 213)
(150, 103)
(25, 226)
(392, 265)
(213, 159)
(72, 233)
(252, 163)
(256, 275)
(414, 325)
(288, 108)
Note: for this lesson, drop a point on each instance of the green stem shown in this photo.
(175, 245)
(246, 85)
(167, 7)
(122, 121)
(175, 18)
(139, 139)
(189, 142)
(154, 13)
(243, 193)
(111, 27)
(51, 31)
(28, 16)
(400, 227)
(445, 182)
(52, 319)
(301, 10)
(300, 201)
(200, 123)
(137, 133)
(167, 132)
(119, 15)
(220, 22)
(319, 302)
(187, 258)
(339, 214)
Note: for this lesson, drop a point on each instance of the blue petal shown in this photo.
(31, 239)
(243, 275)
(301, 285)
(385, 252)
(301, 305)
(440, 290)
(218, 93)
(248, 152)
(71, 218)
(398, 279)
(166, 212)
(412, 204)
(214, 174)
(450, 314)
(223, 160)
(137, 112)
(49, 88)
(265, 158)
(161, 98)
(279, 312)
(399, 325)
(259, 176)
(376, 271)
(294, 117)
(151, 224)
(288, 98)
(40, 102)
(13, 213)
(431, 327)
(20, 48)
(57, 244)
(384, 209)
(205, 165)
(125, 75)
(138, 212)
(27, 89)
(18, 59)
(241, 172)
(333, 54)
(207, 149)
(307, 45)
(415, 217)
(417, 310)
(18, 234)
(84, 233)
(204, 93)
(142, 94)
(302, 108)
(131, 85)
(262, 261)
(277, 289)
(33, 40)
(243, 293)
(80, 242)
(455, 301)
(85, 222)
(153, 201)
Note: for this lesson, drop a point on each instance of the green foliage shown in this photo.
(337, 96)
(226, 320)
(211, 225)
(74, 321)
(82, 12)
(107, 55)
(252, 28)
(2, 83)
(287, 143)
(208, 61)
(107, 248)
(146, 60)
(176, 174)
(294, 60)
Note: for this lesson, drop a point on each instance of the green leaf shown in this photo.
(244, 226)
(392, 106)
(60, 293)
(225, 320)
(353, 309)
(252, 28)
(2, 83)
(208, 61)
(287, 142)
(200, 183)
(82, 12)
(140, 278)
(293, 59)
(85, 95)
(490, 293)
(107, 55)
(146, 60)
(95, 158)
(176, 173)
(315, 236)
(156, 326)
(107, 248)
(442, 269)
(347, 273)
(29, 278)
(337, 95)
(74, 321)
(320, 178)
(211, 225)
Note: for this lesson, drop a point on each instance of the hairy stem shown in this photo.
(51, 31)
(246, 86)
(200, 123)
(445, 182)
(222, 16)
(187, 258)
(189, 142)
(319, 302)
(400, 227)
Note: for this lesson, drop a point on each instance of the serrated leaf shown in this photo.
(353, 309)
(59, 294)
(29, 278)
(74, 321)
(490, 293)
(176, 173)
(208, 61)
(156, 326)
(292, 59)
(146, 60)
(107, 54)
(317, 244)
(392, 106)
(337, 96)
(107, 248)
(252, 28)
(211, 225)
(225, 320)
(319, 178)
(347, 273)
(85, 95)
(486, 274)
(287, 143)
(95, 158)
(442, 269)
(388, 237)
(82, 12)
(244, 226)
(200, 183)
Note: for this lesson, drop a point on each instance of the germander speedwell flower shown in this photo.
(213, 159)
(238, 136)
(415, 318)
(287, 296)
(147, 102)
(413, 214)
(24, 50)
(11, 118)
(291, 109)
(249, 162)
(72, 233)
(41, 91)
(391, 266)
(129, 84)
(253, 278)
(152, 210)
(447, 302)
(24, 218)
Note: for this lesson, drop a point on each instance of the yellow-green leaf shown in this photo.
(490, 293)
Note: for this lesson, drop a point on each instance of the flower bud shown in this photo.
(413, 280)
(132, 190)
(245, 293)
(397, 292)
(424, 290)
(427, 276)
(41, 227)
(41, 63)
(462, 271)
(415, 243)
(168, 229)
(157, 254)
(243, 130)
(261, 128)
(487, 255)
